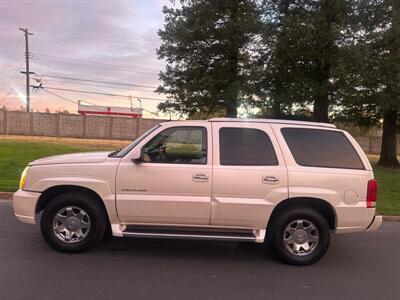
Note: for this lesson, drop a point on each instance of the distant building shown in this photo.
(85, 109)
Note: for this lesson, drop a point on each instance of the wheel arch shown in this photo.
(322, 206)
(49, 194)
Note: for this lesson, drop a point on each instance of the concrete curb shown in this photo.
(391, 218)
(8, 196)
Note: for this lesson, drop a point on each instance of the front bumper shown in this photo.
(375, 224)
(24, 204)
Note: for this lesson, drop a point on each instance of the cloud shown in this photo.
(82, 39)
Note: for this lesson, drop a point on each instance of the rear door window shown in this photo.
(321, 148)
(245, 147)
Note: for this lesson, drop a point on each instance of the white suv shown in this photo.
(290, 183)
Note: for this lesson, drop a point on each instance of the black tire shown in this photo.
(277, 230)
(98, 222)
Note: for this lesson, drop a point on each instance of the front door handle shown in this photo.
(270, 179)
(200, 177)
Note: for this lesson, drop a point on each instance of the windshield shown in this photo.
(132, 145)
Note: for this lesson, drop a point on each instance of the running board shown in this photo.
(198, 233)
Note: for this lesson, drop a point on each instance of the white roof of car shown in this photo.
(274, 121)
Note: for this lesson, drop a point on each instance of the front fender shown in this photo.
(101, 187)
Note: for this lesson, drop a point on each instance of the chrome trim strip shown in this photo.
(189, 236)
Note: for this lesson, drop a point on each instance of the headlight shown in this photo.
(23, 178)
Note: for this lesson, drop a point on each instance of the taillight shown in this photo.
(372, 193)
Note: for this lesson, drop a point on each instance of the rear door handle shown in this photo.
(200, 177)
(270, 179)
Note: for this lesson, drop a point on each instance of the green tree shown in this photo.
(274, 71)
(303, 52)
(208, 47)
(370, 74)
(388, 56)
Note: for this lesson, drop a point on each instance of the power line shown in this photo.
(65, 98)
(10, 78)
(96, 81)
(105, 94)
(131, 66)
(8, 94)
(51, 70)
(100, 81)
(45, 80)
(80, 35)
(95, 65)
(13, 54)
(74, 61)
(12, 89)
(62, 97)
(75, 102)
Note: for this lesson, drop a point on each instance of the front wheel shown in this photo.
(73, 222)
(299, 236)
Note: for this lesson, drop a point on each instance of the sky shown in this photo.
(110, 41)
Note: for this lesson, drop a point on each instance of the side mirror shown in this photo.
(137, 156)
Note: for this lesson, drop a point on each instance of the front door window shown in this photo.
(178, 145)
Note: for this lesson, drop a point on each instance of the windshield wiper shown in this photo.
(114, 153)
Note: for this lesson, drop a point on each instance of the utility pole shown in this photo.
(27, 73)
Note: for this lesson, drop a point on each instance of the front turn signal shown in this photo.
(22, 182)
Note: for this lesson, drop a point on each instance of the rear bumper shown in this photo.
(24, 204)
(375, 224)
(359, 218)
(354, 219)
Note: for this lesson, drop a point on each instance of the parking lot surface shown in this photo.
(357, 266)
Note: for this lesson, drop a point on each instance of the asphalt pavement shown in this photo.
(357, 266)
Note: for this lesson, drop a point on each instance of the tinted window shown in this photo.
(321, 148)
(245, 147)
(178, 145)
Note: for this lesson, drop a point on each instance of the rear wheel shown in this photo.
(299, 236)
(73, 222)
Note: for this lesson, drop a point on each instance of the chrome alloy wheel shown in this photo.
(71, 224)
(301, 237)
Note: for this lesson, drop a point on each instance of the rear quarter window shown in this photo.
(321, 148)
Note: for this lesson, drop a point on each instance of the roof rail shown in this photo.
(274, 121)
